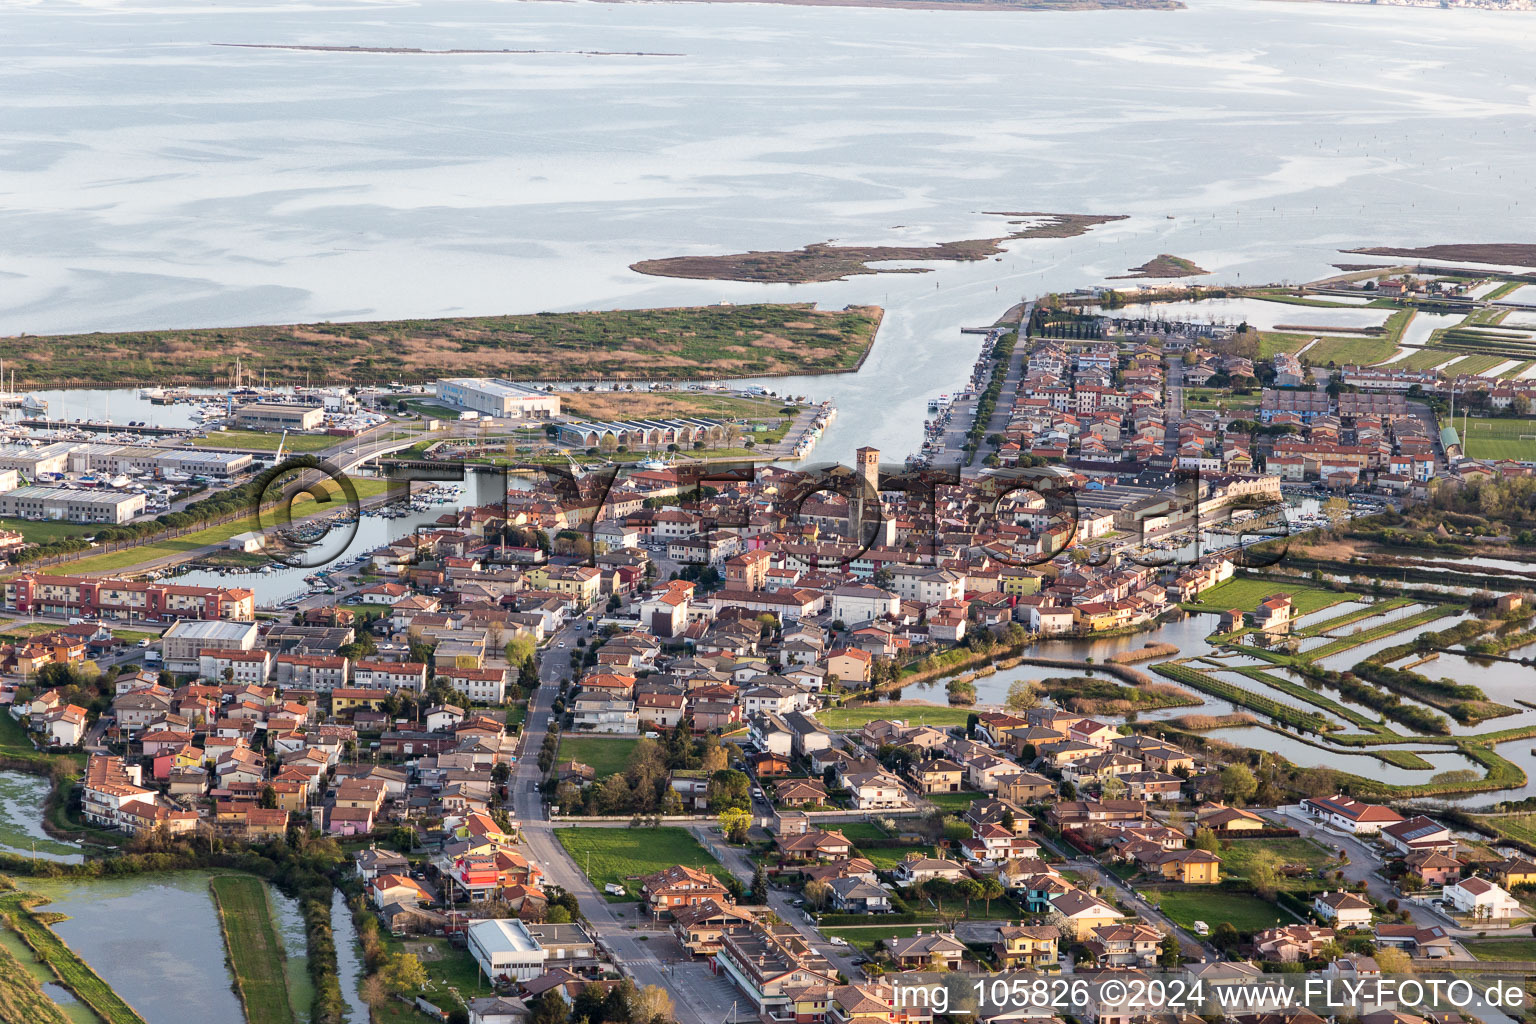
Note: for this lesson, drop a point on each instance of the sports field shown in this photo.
(1500, 439)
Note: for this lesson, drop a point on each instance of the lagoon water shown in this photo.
(154, 179)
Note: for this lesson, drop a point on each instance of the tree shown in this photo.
(1022, 696)
(1392, 960)
(716, 759)
(549, 1008)
(760, 884)
(1264, 875)
(734, 822)
(403, 973)
(1238, 783)
(1205, 840)
(557, 915)
(817, 894)
(268, 796)
(1169, 955)
(1225, 936)
(729, 788)
(649, 1004)
(991, 889)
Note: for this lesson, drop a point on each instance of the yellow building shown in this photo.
(582, 584)
(353, 698)
(1026, 945)
(1192, 867)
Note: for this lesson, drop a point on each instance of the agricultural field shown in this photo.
(255, 952)
(1246, 594)
(1516, 826)
(21, 994)
(606, 756)
(623, 855)
(1247, 913)
(851, 718)
(1500, 438)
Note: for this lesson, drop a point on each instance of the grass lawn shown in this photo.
(1488, 438)
(1236, 859)
(885, 858)
(866, 938)
(1502, 949)
(255, 952)
(267, 441)
(1247, 913)
(606, 756)
(850, 718)
(1246, 594)
(953, 802)
(452, 978)
(129, 557)
(622, 855)
(47, 531)
(74, 972)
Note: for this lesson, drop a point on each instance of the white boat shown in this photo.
(118, 481)
(175, 477)
(34, 404)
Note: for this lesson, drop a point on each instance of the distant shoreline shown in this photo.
(416, 51)
(960, 5)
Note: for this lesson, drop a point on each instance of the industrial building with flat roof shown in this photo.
(31, 461)
(76, 505)
(182, 645)
(505, 949)
(274, 416)
(502, 399)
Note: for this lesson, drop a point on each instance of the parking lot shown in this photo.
(711, 996)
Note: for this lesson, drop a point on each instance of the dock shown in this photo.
(102, 428)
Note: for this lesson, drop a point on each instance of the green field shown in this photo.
(255, 953)
(1247, 913)
(129, 557)
(623, 855)
(606, 756)
(1500, 439)
(1236, 859)
(1516, 826)
(850, 718)
(745, 340)
(75, 973)
(954, 803)
(46, 532)
(1363, 351)
(1246, 594)
(21, 992)
(267, 441)
(1502, 949)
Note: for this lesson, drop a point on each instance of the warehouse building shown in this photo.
(33, 461)
(505, 949)
(273, 416)
(499, 398)
(182, 645)
(71, 504)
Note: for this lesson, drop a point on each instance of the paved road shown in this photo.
(1362, 864)
(640, 947)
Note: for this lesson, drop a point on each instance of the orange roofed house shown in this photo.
(680, 886)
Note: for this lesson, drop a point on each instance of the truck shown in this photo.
(1201, 928)
(613, 889)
